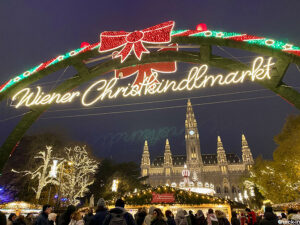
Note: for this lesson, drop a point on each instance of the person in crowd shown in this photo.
(158, 217)
(101, 213)
(222, 220)
(234, 219)
(20, 220)
(200, 218)
(170, 217)
(52, 218)
(2, 218)
(118, 215)
(251, 217)
(180, 218)
(243, 218)
(269, 217)
(11, 218)
(65, 218)
(42, 219)
(191, 217)
(140, 216)
(76, 219)
(29, 219)
(148, 218)
(211, 218)
(88, 216)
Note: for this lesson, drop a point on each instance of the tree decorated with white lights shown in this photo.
(78, 173)
(44, 172)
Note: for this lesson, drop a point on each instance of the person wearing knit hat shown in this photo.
(101, 213)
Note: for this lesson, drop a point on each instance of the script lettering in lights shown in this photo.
(197, 78)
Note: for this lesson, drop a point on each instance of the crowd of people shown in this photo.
(152, 216)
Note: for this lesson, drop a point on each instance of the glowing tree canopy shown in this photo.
(78, 174)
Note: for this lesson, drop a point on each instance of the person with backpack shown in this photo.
(118, 215)
(251, 217)
(158, 217)
(211, 218)
(101, 213)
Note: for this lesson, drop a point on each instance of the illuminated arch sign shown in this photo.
(197, 78)
(146, 54)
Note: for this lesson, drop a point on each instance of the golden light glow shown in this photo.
(196, 79)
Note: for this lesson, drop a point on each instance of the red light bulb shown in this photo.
(201, 27)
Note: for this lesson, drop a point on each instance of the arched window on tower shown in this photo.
(218, 190)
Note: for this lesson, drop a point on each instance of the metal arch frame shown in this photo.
(85, 74)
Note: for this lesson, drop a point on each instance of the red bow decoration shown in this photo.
(146, 70)
(133, 41)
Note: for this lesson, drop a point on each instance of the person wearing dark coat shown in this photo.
(140, 216)
(42, 219)
(222, 218)
(158, 217)
(101, 213)
(65, 218)
(170, 218)
(87, 218)
(2, 218)
(20, 220)
(200, 218)
(269, 217)
(234, 219)
(119, 211)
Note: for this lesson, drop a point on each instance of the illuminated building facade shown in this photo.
(221, 171)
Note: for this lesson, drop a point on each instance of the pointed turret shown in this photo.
(246, 153)
(145, 163)
(194, 159)
(168, 162)
(221, 152)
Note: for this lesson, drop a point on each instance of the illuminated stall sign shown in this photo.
(197, 78)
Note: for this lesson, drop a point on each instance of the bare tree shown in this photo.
(78, 173)
(42, 173)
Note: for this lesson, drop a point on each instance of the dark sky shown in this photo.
(34, 31)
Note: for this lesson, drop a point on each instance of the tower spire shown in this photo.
(246, 153)
(221, 152)
(168, 161)
(194, 159)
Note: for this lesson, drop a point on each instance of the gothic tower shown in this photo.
(145, 163)
(193, 153)
(221, 156)
(168, 162)
(246, 153)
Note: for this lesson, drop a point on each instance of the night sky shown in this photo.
(34, 31)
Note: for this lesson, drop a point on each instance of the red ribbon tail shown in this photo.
(139, 49)
(124, 53)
